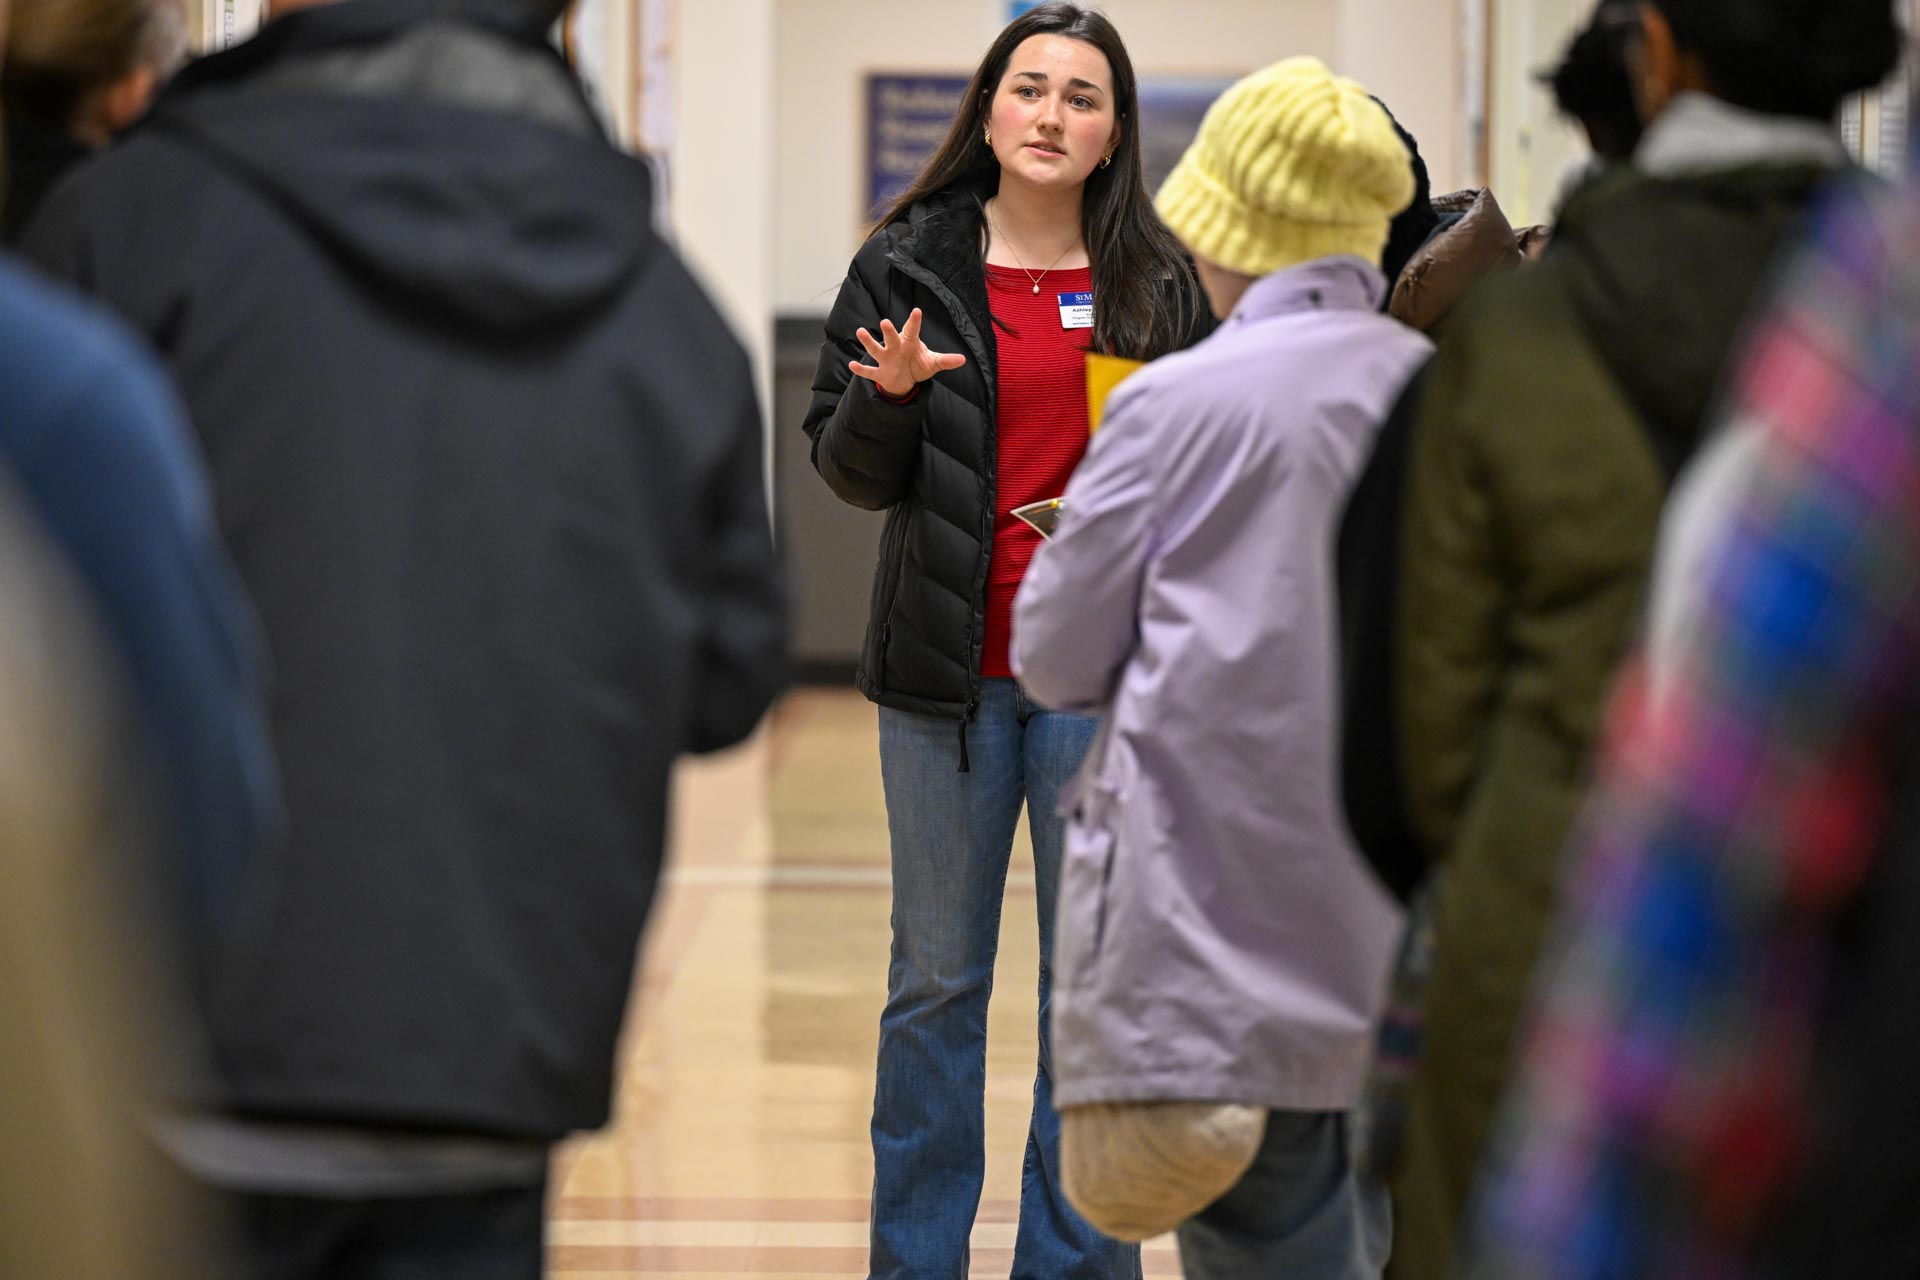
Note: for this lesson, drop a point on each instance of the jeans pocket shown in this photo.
(1086, 875)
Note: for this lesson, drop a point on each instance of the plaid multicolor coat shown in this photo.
(1719, 1078)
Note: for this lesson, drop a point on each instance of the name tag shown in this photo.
(1076, 310)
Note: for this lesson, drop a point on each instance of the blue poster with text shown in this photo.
(907, 118)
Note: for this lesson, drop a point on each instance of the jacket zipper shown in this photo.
(988, 373)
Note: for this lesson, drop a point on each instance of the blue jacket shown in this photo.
(94, 435)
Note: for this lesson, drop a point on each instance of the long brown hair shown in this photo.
(1145, 296)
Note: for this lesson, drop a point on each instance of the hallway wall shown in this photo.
(827, 47)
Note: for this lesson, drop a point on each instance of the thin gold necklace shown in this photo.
(1023, 266)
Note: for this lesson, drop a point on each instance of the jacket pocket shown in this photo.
(1086, 883)
(886, 591)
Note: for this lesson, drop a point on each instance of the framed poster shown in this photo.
(908, 115)
(1171, 108)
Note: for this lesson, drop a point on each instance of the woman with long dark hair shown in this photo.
(951, 390)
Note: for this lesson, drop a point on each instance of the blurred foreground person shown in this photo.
(1554, 417)
(77, 72)
(951, 390)
(1221, 948)
(130, 809)
(1719, 1076)
(83, 1004)
(490, 464)
(95, 437)
(93, 434)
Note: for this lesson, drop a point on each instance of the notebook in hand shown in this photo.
(1043, 515)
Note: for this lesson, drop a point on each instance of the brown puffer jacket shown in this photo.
(1472, 241)
(1475, 241)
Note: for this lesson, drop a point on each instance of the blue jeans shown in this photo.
(1299, 1213)
(952, 836)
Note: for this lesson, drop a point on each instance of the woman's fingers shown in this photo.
(938, 361)
(896, 345)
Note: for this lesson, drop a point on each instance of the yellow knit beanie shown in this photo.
(1292, 163)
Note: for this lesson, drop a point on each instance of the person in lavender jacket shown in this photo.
(1221, 948)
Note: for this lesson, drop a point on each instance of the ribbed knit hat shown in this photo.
(1291, 163)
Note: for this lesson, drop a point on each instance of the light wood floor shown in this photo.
(740, 1144)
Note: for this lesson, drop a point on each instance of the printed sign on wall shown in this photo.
(1171, 108)
(907, 118)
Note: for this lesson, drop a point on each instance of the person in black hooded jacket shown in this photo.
(951, 389)
(490, 464)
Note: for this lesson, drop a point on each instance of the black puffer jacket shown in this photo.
(930, 464)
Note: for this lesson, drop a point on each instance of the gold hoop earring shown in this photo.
(1108, 161)
(989, 136)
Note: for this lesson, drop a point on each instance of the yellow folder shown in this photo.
(1104, 373)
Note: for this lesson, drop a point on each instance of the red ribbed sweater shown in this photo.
(1041, 428)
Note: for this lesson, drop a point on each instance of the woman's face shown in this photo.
(1053, 117)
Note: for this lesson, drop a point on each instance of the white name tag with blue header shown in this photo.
(1076, 311)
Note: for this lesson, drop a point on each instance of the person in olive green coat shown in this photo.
(1552, 423)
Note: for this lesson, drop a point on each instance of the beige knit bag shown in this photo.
(1136, 1170)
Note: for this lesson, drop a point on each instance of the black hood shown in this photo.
(943, 234)
(1664, 272)
(494, 218)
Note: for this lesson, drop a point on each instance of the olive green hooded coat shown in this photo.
(1555, 416)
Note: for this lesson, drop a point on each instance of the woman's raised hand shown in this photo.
(901, 361)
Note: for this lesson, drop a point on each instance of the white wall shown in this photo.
(827, 47)
(1408, 52)
(1532, 149)
(722, 181)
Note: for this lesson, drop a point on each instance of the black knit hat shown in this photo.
(1788, 57)
(1593, 85)
(1416, 222)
